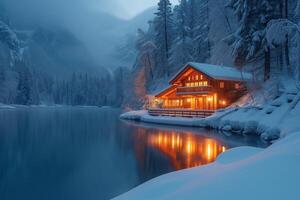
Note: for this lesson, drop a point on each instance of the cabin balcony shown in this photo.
(190, 113)
(194, 90)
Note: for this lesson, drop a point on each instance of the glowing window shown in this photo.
(197, 77)
(196, 84)
(192, 84)
(222, 84)
(237, 86)
(205, 83)
(201, 77)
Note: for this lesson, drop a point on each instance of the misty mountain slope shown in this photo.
(9, 39)
(125, 50)
(58, 52)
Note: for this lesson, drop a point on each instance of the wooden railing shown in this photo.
(180, 112)
(200, 89)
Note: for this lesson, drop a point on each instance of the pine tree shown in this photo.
(163, 26)
(249, 41)
(182, 46)
(25, 84)
(199, 26)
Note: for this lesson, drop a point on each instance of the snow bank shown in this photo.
(134, 115)
(241, 173)
(4, 106)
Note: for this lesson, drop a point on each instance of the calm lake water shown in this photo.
(89, 154)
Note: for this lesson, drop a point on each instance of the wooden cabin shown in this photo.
(202, 87)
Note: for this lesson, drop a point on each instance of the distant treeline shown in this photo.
(21, 85)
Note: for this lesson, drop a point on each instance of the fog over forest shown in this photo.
(100, 24)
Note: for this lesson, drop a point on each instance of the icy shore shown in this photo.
(241, 173)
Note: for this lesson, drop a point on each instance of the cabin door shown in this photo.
(200, 103)
(205, 103)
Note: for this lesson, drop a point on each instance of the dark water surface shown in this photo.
(89, 154)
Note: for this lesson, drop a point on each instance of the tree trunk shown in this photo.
(286, 46)
(267, 65)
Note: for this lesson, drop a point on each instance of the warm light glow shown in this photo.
(223, 149)
(209, 151)
(223, 102)
(173, 141)
(209, 98)
(186, 150)
(188, 100)
(188, 147)
(196, 84)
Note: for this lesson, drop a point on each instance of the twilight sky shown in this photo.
(128, 8)
(55, 8)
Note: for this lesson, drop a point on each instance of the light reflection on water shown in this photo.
(186, 150)
(88, 153)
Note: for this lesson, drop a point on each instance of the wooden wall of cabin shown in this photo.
(227, 92)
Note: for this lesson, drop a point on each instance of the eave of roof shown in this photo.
(166, 90)
(215, 72)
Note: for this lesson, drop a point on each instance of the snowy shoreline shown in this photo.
(15, 106)
(240, 173)
(271, 121)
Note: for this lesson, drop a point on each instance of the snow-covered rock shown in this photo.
(271, 134)
(290, 98)
(134, 115)
(270, 110)
(250, 128)
(227, 128)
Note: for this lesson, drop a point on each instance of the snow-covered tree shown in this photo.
(163, 27)
(278, 32)
(199, 26)
(25, 94)
(9, 37)
(249, 42)
(182, 46)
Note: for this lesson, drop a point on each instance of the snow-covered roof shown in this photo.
(218, 72)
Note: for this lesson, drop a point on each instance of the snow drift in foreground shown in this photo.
(240, 173)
